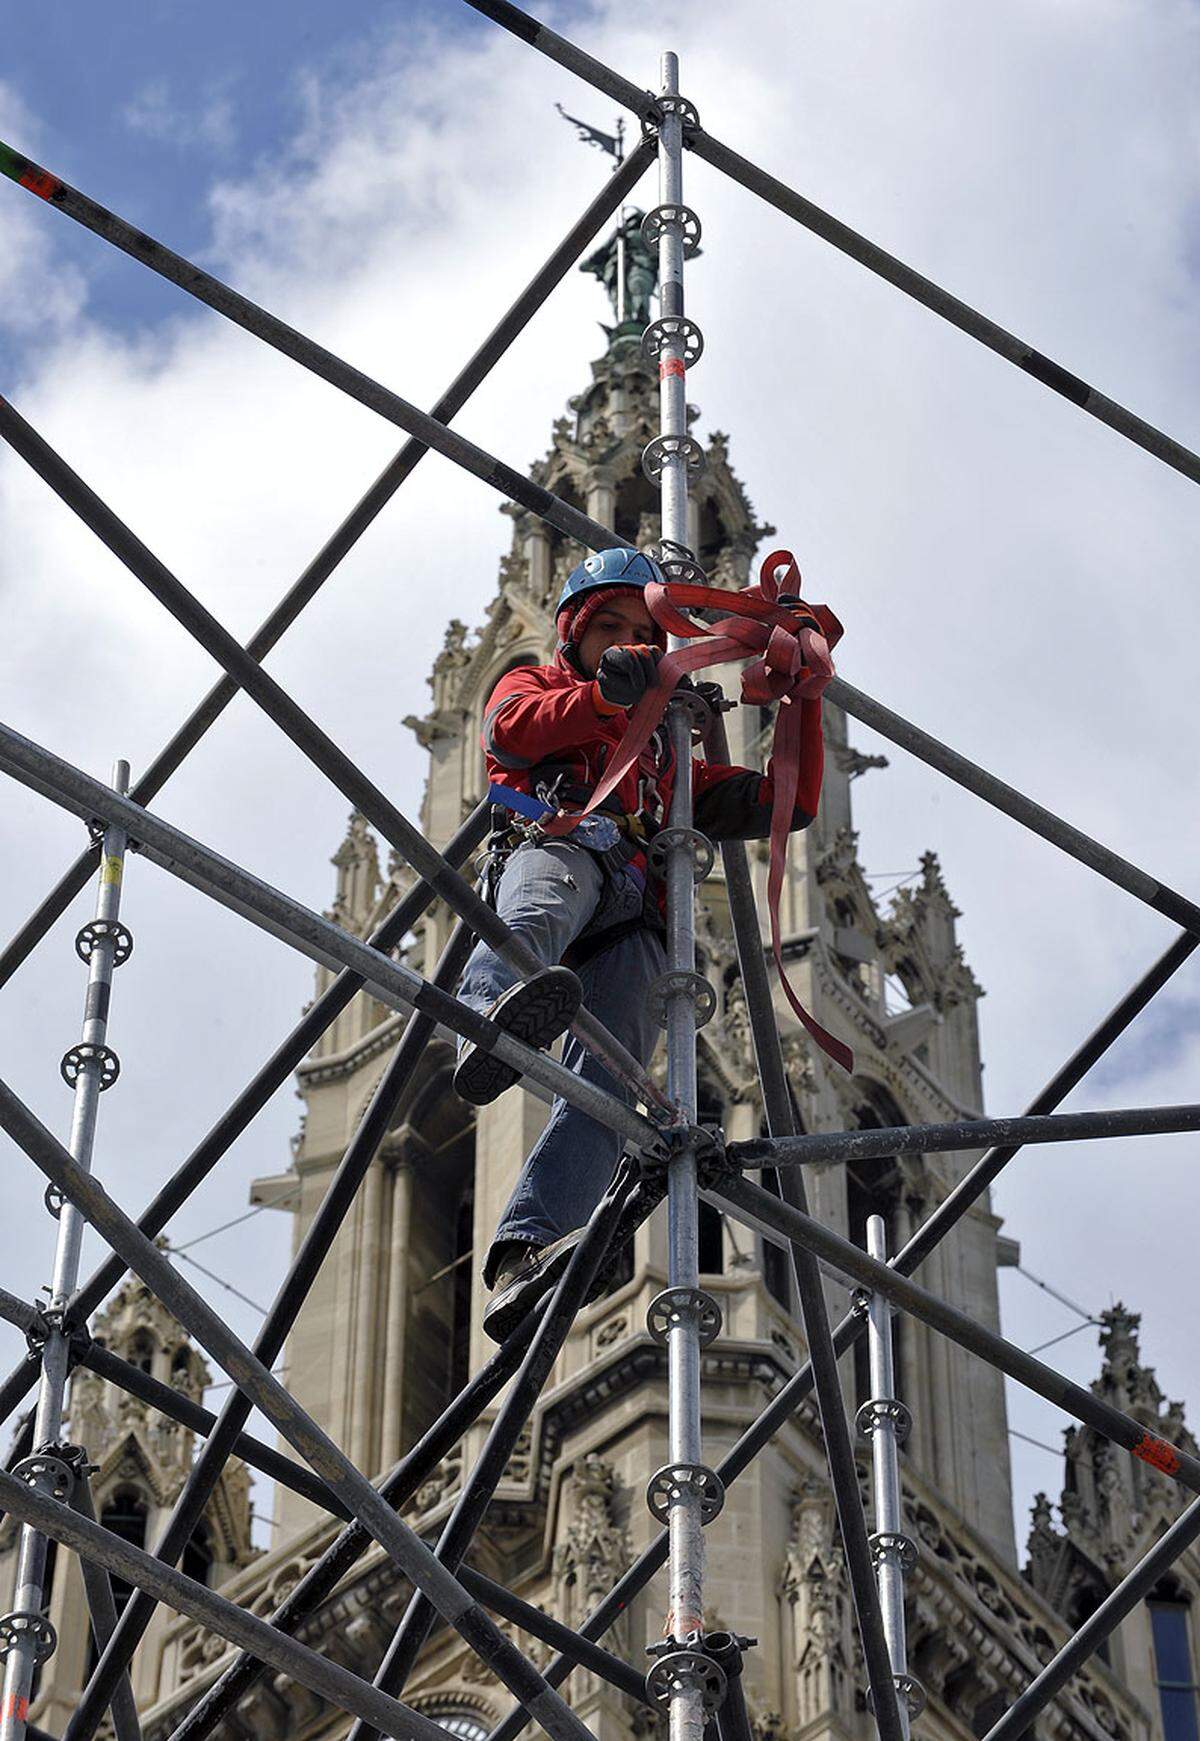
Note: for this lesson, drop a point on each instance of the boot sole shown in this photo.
(536, 1013)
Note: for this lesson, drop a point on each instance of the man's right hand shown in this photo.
(625, 673)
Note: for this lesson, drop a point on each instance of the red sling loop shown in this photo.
(788, 646)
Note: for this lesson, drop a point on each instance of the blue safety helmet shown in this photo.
(620, 566)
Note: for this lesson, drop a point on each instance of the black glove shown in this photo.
(625, 673)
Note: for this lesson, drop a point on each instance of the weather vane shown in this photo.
(612, 143)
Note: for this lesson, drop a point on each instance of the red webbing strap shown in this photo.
(788, 647)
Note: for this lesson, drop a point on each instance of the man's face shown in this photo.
(621, 621)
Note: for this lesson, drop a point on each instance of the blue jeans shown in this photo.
(550, 895)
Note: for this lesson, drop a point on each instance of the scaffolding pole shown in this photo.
(886, 1422)
(27, 1637)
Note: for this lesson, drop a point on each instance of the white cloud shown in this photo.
(1011, 575)
(158, 112)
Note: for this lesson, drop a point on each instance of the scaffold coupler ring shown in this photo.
(55, 1201)
(685, 1670)
(676, 1482)
(885, 1543)
(676, 330)
(76, 1060)
(681, 218)
(908, 1690)
(666, 447)
(682, 982)
(47, 1473)
(879, 1411)
(22, 1627)
(96, 930)
(676, 1307)
(698, 845)
(678, 562)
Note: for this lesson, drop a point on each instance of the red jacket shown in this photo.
(541, 718)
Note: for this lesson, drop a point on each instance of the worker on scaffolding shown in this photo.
(586, 903)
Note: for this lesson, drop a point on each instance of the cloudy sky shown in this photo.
(1011, 574)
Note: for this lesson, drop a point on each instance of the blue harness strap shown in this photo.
(532, 809)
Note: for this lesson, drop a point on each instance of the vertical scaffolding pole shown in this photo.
(886, 1421)
(26, 1635)
(684, 1493)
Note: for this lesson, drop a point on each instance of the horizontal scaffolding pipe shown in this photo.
(304, 732)
(936, 1227)
(1000, 796)
(322, 1676)
(248, 315)
(322, 941)
(406, 1549)
(847, 241)
(343, 540)
(1129, 1594)
(745, 1199)
(825, 1148)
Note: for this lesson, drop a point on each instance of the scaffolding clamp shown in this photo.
(677, 217)
(678, 562)
(698, 845)
(675, 1482)
(678, 332)
(670, 103)
(80, 1056)
(97, 931)
(675, 1307)
(33, 1632)
(682, 982)
(909, 1691)
(664, 447)
(880, 1410)
(684, 1666)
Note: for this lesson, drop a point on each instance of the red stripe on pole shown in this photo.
(1158, 1453)
(40, 182)
(15, 1706)
(671, 366)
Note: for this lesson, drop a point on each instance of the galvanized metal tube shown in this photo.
(392, 983)
(304, 732)
(28, 1591)
(810, 1294)
(1000, 796)
(343, 540)
(480, 1486)
(328, 1679)
(885, 1467)
(323, 1577)
(927, 1237)
(826, 1149)
(749, 1201)
(402, 1544)
(1133, 1589)
(193, 1415)
(867, 253)
(97, 1587)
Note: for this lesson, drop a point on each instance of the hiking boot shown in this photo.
(536, 1012)
(526, 1272)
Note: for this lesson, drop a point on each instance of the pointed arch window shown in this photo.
(1175, 1668)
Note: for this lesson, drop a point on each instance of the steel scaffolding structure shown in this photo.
(695, 1676)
